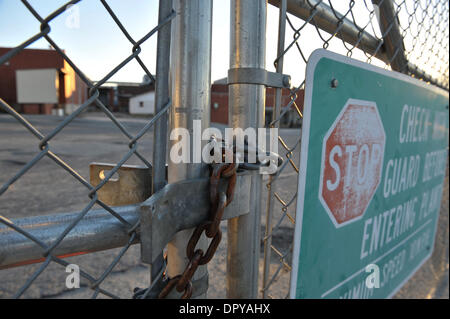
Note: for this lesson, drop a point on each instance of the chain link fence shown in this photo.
(406, 36)
(50, 246)
(409, 36)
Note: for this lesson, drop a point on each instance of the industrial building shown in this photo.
(118, 96)
(219, 105)
(40, 81)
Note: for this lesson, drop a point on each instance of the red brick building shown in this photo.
(32, 69)
(219, 105)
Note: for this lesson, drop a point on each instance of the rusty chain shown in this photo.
(197, 257)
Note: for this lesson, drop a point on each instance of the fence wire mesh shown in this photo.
(406, 36)
(45, 148)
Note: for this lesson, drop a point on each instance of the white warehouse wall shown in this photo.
(143, 103)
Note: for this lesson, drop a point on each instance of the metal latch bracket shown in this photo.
(184, 205)
(130, 185)
(258, 76)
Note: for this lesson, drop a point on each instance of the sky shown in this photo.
(94, 42)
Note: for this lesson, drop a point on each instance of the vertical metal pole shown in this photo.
(272, 181)
(161, 99)
(191, 82)
(246, 107)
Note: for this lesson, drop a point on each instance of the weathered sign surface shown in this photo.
(373, 160)
(353, 154)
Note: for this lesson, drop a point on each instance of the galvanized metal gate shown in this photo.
(402, 35)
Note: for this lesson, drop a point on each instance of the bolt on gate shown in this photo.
(164, 208)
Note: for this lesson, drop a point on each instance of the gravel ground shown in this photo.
(48, 189)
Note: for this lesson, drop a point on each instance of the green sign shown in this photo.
(373, 160)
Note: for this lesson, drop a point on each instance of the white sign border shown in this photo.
(313, 60)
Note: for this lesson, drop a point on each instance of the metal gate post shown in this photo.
(246, 109)
(161, 99)
(190, 91)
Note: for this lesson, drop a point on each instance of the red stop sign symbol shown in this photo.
(352, 161)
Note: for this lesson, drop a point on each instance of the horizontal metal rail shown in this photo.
(23, 241)
(335, 23)
(97, 231)
(327, 20)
